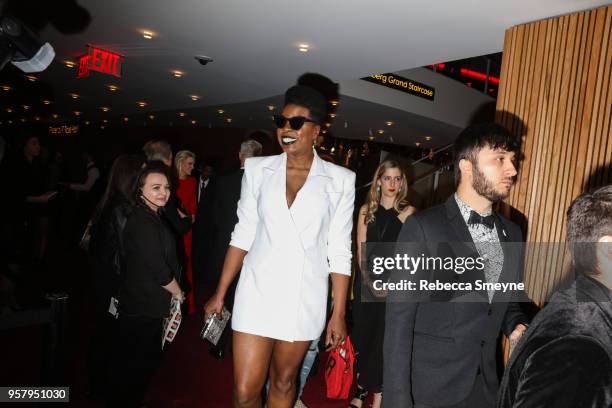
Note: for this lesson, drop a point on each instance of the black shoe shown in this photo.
(217, 353)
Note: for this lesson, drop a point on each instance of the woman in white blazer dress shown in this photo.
(293, 233)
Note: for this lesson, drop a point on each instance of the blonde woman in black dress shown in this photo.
(380, 221)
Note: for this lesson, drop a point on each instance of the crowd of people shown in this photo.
(271, 236)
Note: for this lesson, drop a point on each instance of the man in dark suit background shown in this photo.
(441, 351)
(219, 217)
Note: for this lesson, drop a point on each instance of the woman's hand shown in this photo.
(213, 306)
(336, 331)
(180, 296)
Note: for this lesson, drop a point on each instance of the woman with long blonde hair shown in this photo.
(380, 220)
(184, 162)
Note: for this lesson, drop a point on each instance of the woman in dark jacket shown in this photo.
(105, 250)
(147, 286)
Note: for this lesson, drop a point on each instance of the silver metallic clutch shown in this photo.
(214, 326)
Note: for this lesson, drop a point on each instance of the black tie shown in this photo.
(475, 218)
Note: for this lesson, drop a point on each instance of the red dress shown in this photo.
(186, 192)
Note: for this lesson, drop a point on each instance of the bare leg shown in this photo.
(377, 400)
(286, 360)
(251, 360)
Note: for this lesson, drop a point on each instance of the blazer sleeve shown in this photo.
(339, 239)
(565, 373)
(248, 218)
(400, 320)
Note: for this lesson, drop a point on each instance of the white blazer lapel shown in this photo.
(311, 195)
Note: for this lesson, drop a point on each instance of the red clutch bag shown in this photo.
(339, 370)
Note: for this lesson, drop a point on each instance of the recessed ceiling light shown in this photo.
(151, 117)
(370, 137)
(194, 97)
(332, 115)
(37, 118)
(193, 122)
(102, 127)
(220, 111)
(380, 131)
(418, 144)
(69, 64)
(303, 47)
(105, 108)
(9, 110)
(125, 119)
(10, 122)
(113, 88)
(87, 122)
(428, 138)
(271, 107)
(334, 102)
(324, 131)
(26, 107)
(46, 101)
(182, 114)
(55, 116)
(32, 78)
(389, 123)
(6, 88)
(22, 119)
(147, 34)
(228, 120)
(77, 113)
(105, 121)
(177, 73)
(141, 104)
(74, 96)
(327, 124)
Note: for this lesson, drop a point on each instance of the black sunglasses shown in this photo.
(295, 122)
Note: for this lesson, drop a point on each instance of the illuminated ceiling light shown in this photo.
(334, 103)
(55, 116)
(46, 101)
(102, 127)
(327, 124)
(141, 104)
(380, 131)
(220, 111)
(324, 131)
(70, 64)
(303, 47)
(389, 123)
(147, 34)
(332, 115)
(182, 114)
(6, 88)
(178, 74)
(77, 113)
(126, 119)
(75, 96)
(151, 117)
(10, 122)
(228, 120)
(9, 110)
(428, 138)
(418, 144)
(271, 107)
(193, 122)
(32, 78)
(22, 119)
(105, 108)
(194, 97)
(87, 122)
(333, 149)
(113, 88)
(370, 138)
(37, 118)
(25, 107)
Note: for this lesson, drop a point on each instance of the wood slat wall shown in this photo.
(556, 94)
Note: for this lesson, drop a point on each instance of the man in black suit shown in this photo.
(440, 351)
(218, 220)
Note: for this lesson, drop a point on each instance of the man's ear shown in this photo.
(466, 168)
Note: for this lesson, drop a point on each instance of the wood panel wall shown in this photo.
(556, 94)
